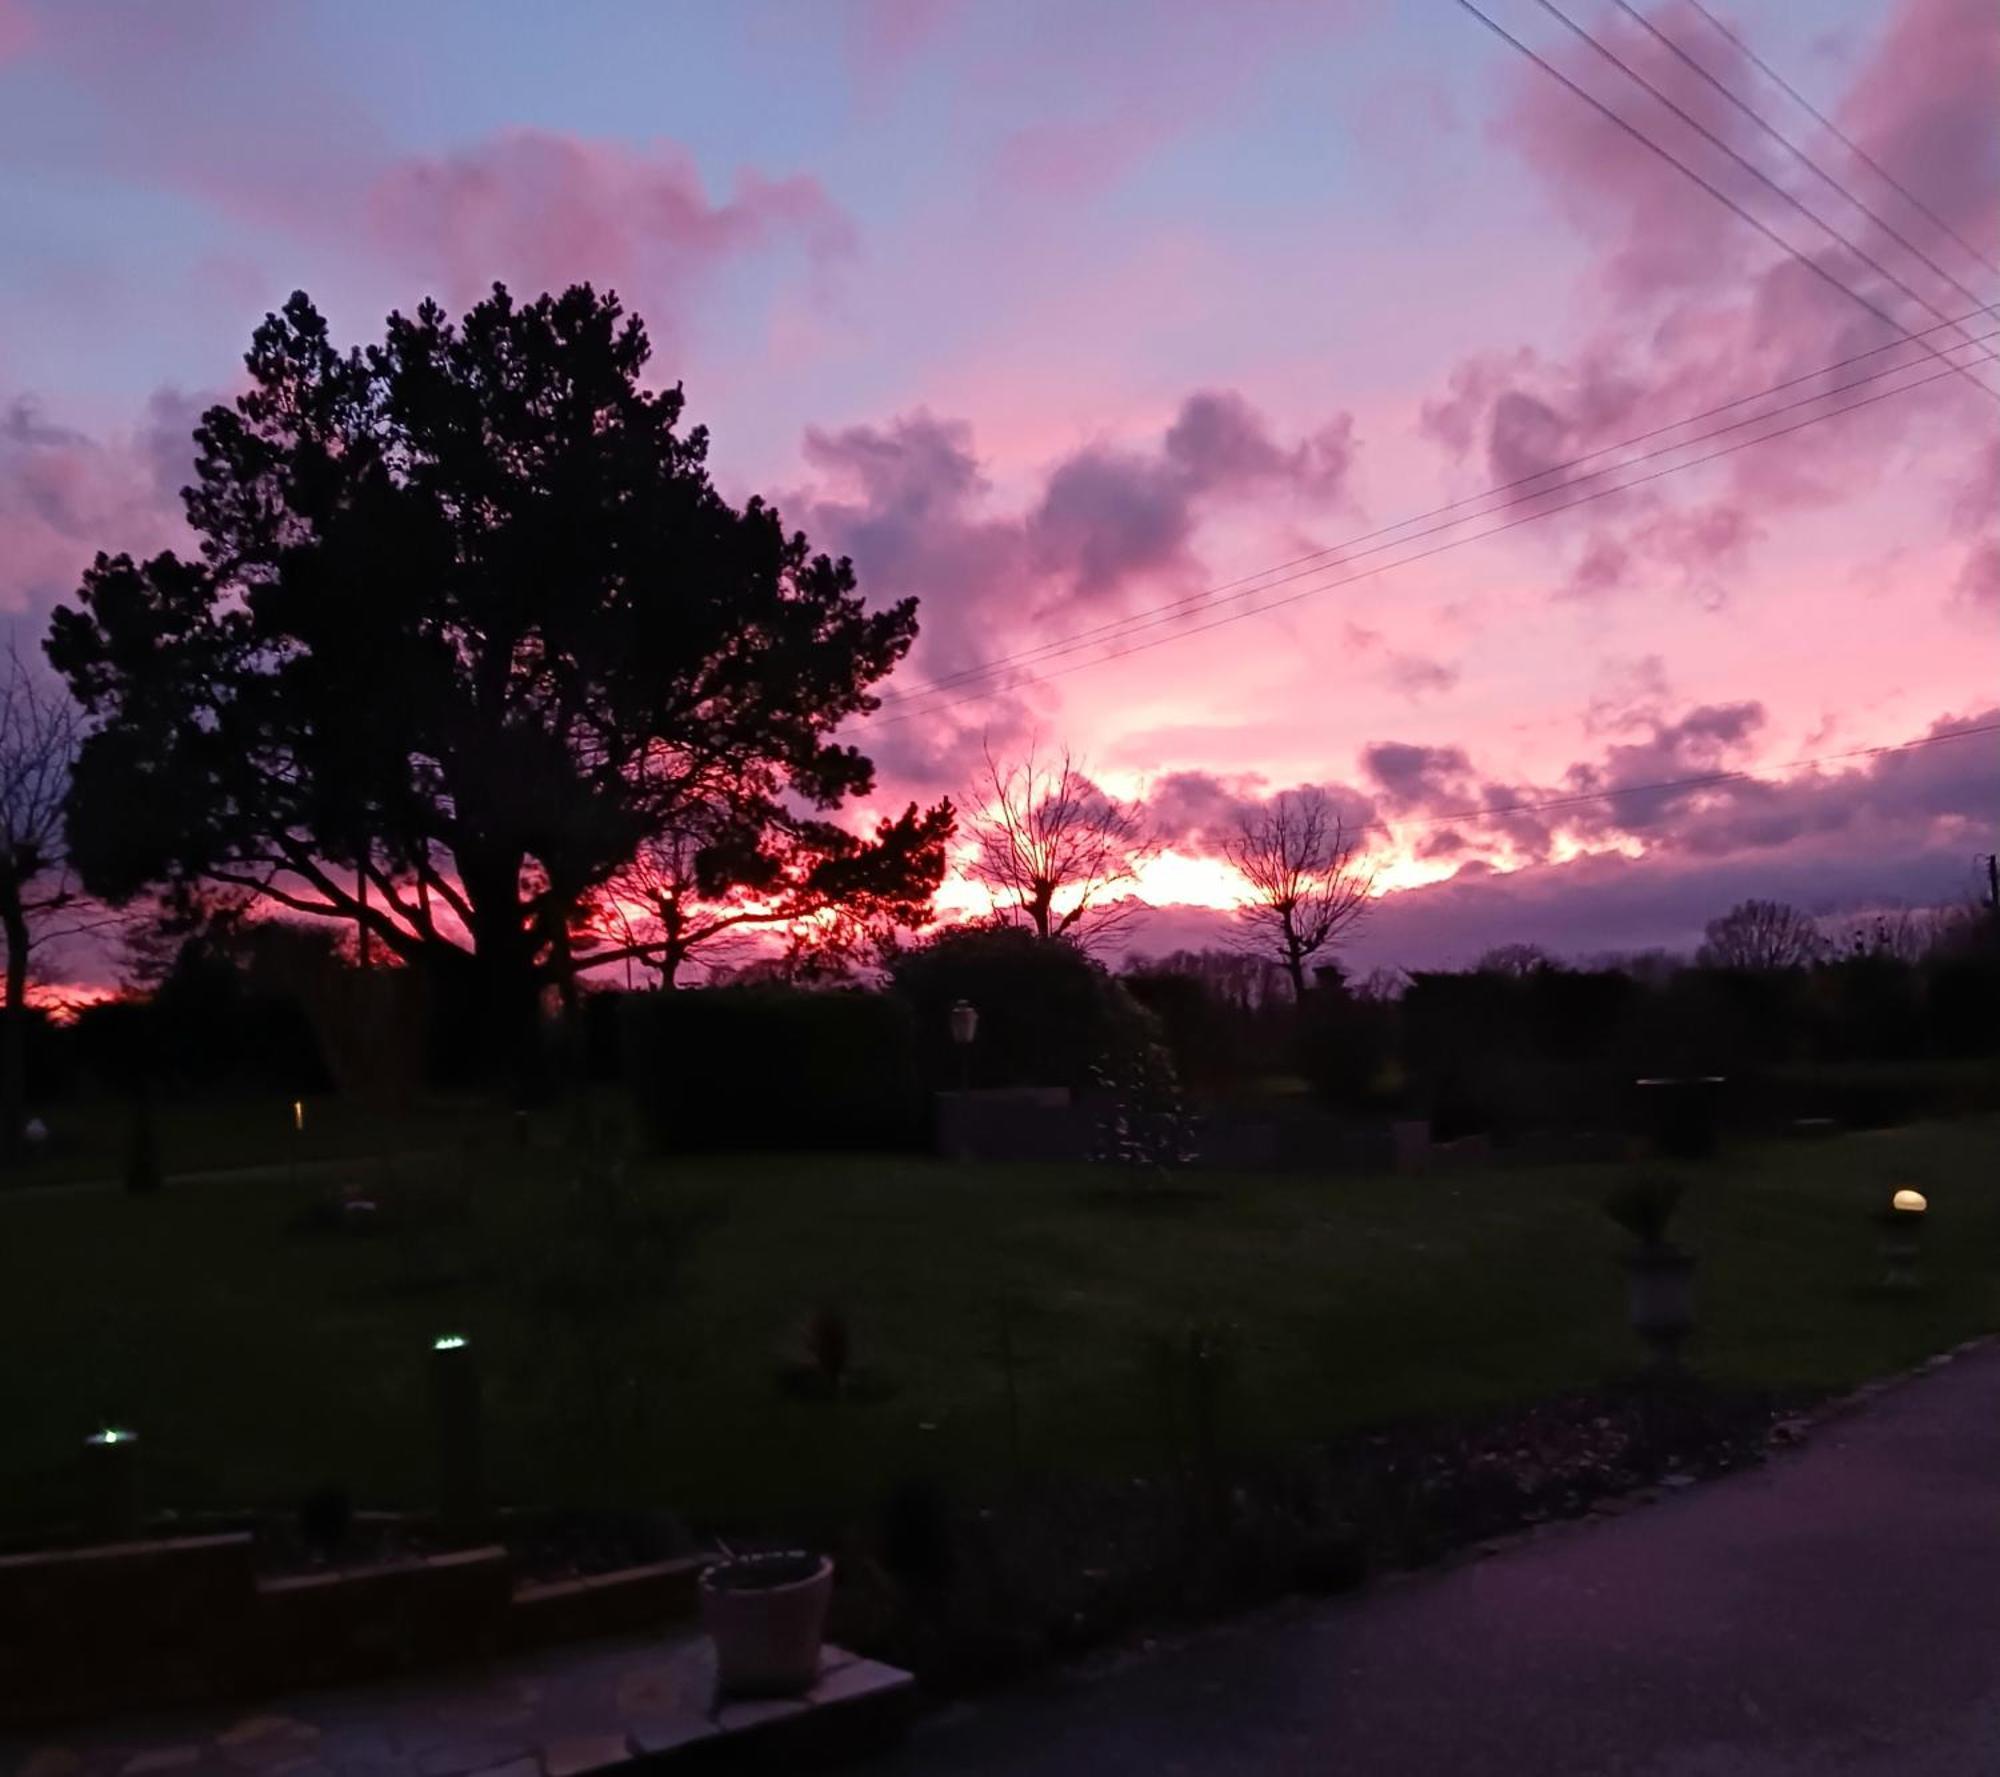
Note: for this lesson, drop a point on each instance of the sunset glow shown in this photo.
(1146, 369)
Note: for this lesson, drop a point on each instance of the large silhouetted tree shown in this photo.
(469, 625)
(1307, 884)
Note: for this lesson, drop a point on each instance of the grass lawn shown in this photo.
(259, 1361)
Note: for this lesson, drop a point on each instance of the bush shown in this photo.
(773, 1067)
(202, 1030)
(1346, 1048)
(1048, 1015)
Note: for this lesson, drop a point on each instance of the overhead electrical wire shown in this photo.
(1708, 185)
(1275, 575)
(938, 708)
(1843, 138)
(1269, 579)
(1756, 172)
(1804, 159)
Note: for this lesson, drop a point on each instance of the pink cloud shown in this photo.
(883, 35)
(17, 29)
(64, 495)
(1722, 316)
(1923, 107)
(539, 210)
(910, 502)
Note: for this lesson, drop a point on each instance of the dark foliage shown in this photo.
(1644, 1207)
(1004, 1585)
(1048, 1014)
(469, 617)
(1346, 1051)
(143, 1172)
(206, 1027)
(773, 1067)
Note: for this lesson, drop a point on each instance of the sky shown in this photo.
(1078, 321)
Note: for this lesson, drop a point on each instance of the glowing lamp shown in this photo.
(1909, 1202)
(964, 1023)
(449, 1342)
(299, 1115)
(112, 1434)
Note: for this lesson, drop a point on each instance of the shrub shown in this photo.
(1644, 1207)
(773, 1067)
(1048, 1015)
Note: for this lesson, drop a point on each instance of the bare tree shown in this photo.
(1307, 885)
(1052, 847)
(1899, 934)
(38, 902)
(1762, 935)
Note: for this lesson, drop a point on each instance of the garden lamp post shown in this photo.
(964, 1029)
(1902, 1239)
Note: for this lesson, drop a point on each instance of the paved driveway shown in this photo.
(1834, 1613)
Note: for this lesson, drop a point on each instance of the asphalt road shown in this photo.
(1833, 1613)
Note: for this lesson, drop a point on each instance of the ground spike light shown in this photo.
(456, 1415)
(112, 1455)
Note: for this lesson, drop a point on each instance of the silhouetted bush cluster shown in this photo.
(771, 1067)
(207, 1028)
(1048, 1014)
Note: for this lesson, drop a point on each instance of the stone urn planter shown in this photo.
(1660, 1280)
(1659, 1274)
(766, 1615)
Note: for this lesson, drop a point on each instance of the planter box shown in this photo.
(628, 1601)
(368, 1622)
(86, 1630)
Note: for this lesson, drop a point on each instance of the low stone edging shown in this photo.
(184, 1620)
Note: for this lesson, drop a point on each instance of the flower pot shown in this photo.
(1661, 1284)
(766, 1615)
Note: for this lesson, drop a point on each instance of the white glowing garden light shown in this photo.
(1909, 1202)
(457, 1414)
(111, 1481)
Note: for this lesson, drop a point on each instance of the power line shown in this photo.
(1702, 781)
(1264, 579)
(1436, 549)
(1846, 141)
(1797, 153)
(1709, 185)
(1751, 167)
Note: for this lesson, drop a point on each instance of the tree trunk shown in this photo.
(1041, 906)
(14, 1033)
